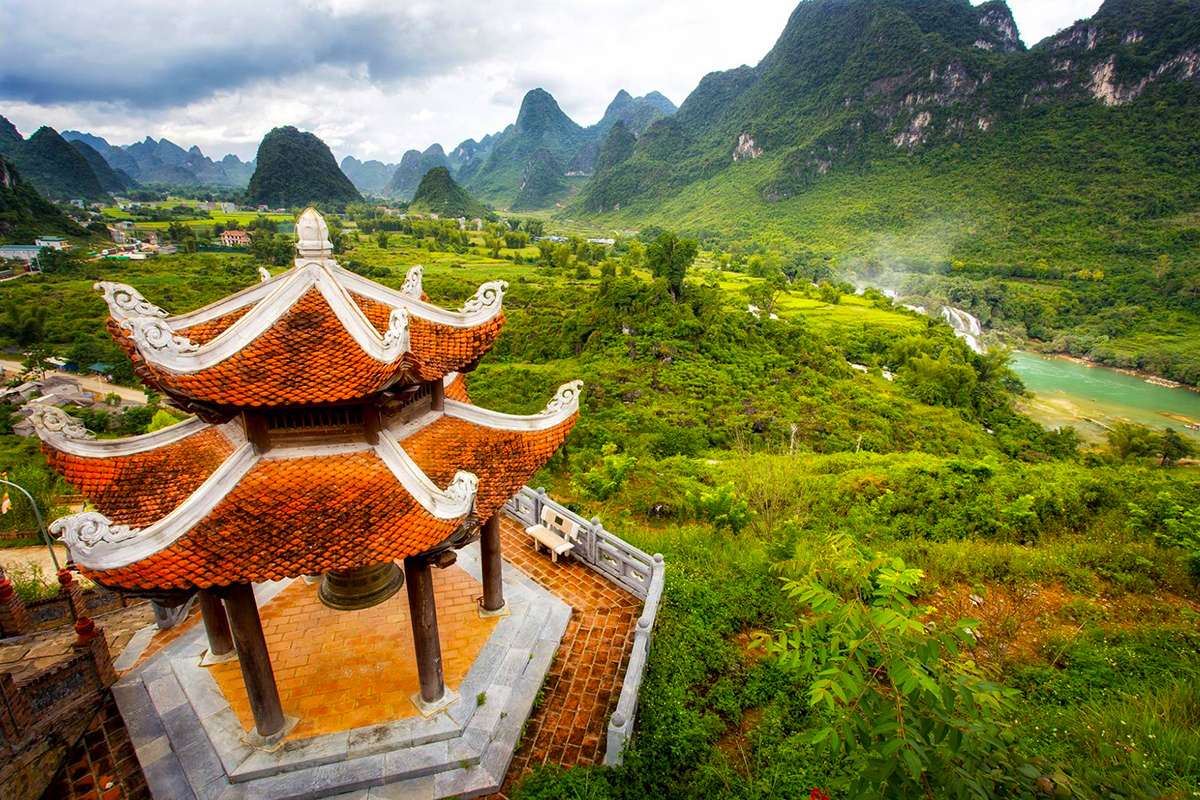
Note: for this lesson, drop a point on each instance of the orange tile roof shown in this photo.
(292, 517)
(307, 356)
(310, 514)
(204, 332)
(457, 389)
(504, 460)
(140, 488)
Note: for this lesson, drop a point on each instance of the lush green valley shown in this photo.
(765, 468)
(883, 142)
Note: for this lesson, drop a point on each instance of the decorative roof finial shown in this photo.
(84, 531)
(125, 301)
(412, 282)
(312, 236)
(566, 399)
(52, 420)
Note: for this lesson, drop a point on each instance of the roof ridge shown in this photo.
(66, 434)
(559, 409)
(457, 500)
(96, 543)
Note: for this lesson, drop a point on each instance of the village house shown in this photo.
(52, 242)
(235, 239)
(25, 253)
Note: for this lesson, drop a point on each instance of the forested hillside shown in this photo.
(924, 139)
(295, 168)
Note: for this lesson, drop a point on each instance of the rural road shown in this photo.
(91, 383)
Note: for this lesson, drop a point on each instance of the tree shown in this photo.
(829, 293)
(1172, 447)
(36, 363)
(669, 257)
(1128, 439)
(381, 239)
(183, 236)
(765, 294)
(633, 258)
(27, 326)
(493, 244)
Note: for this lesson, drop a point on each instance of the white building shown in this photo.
(52, 242)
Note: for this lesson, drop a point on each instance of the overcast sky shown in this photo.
(371, 78)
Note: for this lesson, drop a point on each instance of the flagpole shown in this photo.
(38, 515)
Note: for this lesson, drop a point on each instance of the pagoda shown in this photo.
(332, 436)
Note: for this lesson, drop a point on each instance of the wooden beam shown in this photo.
(489, 549)
(428, 646)
(216, 624)
(254, 659)
(437, 395)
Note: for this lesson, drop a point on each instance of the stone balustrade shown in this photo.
(625, 565)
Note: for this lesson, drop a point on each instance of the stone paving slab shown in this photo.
(186, 734)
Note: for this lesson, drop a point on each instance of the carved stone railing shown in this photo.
(603, 551)
(625, 565)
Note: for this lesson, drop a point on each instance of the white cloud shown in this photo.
(371, 79)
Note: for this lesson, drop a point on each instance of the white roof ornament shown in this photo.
(462, 489)
(125, 301)
(489, 295)
(561, 407)
(82, 532)
(312, 236)
(263, 274)
(56, 422)
(565, 399)
(152, 335)
(395, 339)
(454, 502)
(412, 282)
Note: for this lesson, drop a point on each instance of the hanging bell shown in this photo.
(361, 587)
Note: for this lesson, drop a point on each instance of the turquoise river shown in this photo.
(1090, 398)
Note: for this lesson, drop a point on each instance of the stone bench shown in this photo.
(554, 532)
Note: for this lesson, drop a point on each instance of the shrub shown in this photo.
(899, 694)
(605, 479)
(723, 508)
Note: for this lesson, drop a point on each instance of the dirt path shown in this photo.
(91, 383)
(19, 559)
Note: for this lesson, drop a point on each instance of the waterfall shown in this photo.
(966, 327)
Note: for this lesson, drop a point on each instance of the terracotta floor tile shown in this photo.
(344, 669)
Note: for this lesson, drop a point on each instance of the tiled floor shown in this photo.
(584, 683)
(338, 670)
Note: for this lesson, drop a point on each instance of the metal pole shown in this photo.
(41, 524)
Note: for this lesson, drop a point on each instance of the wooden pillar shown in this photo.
(254, 659)
(437, 395)
(419, 579)
(489, 550)
(216, 624)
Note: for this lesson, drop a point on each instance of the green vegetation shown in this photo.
(439, 194)
(802, 507)
(49, 162)
(295, 168)
(878, 142)
(541, 130)
(24, 214)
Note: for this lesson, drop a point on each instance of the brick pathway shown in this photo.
(102, 764)
(581, 691)
(346, 669)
